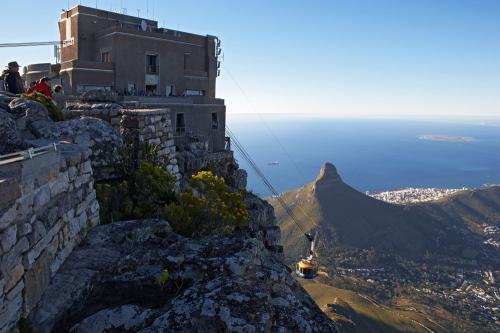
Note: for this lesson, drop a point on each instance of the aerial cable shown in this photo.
(239, 147)
(255, 110)
(30, 44)
(266, 182)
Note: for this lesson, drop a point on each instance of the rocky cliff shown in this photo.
(141, 276)
(214, 284)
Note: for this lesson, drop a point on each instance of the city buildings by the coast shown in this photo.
(414, 195)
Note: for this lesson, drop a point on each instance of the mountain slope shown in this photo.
(342, 216)
(398, 268)
(469, 209)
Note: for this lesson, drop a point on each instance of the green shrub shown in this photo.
(54, 113)
(143, 194)
(207, 206)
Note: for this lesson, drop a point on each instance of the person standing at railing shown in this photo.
(12, 79)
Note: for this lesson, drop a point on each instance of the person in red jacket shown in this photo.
(43, 87)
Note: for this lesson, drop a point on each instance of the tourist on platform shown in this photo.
(58, 96)
(43, 87)
(12, 79)
(32, 86)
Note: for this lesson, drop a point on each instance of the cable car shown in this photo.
(307, 268)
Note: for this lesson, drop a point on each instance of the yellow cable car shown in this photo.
(307, 268)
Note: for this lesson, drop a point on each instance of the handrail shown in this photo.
(29, 153)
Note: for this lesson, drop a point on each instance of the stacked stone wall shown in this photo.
(109, 112)
(47, 205)
(149, 128)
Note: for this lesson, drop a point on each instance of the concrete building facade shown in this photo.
(142, 62)
(133, 56)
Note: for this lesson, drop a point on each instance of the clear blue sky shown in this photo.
(332, 57)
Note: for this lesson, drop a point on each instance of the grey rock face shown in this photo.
(11, 140)
(98, 135)
(29, 120)
(125, 318)
(215, 284)
(98, 95)
(263, 222)
(222, 163)
(21, 107)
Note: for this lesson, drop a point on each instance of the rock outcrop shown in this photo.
(193, 158)
(98, 95)
(214, 284)
(11, 140)
(263, 223)
(27, 123)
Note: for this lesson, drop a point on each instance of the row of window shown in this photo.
(180, 123)
(151, 61)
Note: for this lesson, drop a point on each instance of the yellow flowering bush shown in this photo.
(207, 206)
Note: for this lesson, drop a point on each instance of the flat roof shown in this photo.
(124, 17)
(107, 14)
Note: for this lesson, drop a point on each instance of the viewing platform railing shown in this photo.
(27, 154)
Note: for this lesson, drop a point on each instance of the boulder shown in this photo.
(35, 111)
(125, 318)
(98, 95)
(98, 135)
(11, 138)
(29, 120)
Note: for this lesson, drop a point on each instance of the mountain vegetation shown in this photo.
(208, 205)
(431, 257)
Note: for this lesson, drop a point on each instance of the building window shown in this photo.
(215, 121)
(151, 64)
(180, 125)
(187, 61)
(105, 56)
(191, 92)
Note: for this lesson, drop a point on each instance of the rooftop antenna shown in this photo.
(147, 8)
(138, 12)
(95, 4)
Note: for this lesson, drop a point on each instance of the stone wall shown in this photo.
(110, 112)
(149, 128)
(137, 126)
(47, 205)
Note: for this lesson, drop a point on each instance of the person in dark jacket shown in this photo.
(12, 80)
(43, 87)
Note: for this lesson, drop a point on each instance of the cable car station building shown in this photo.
(140, 61)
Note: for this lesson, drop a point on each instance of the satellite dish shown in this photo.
(144, 25)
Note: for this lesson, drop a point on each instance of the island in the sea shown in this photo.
(446, 138)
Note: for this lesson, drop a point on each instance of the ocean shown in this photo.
(370, 155)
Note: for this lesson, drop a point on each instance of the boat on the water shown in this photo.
(273, 163)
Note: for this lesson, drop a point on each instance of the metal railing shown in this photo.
(27, 154)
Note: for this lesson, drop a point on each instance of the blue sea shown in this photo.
(370, 155)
